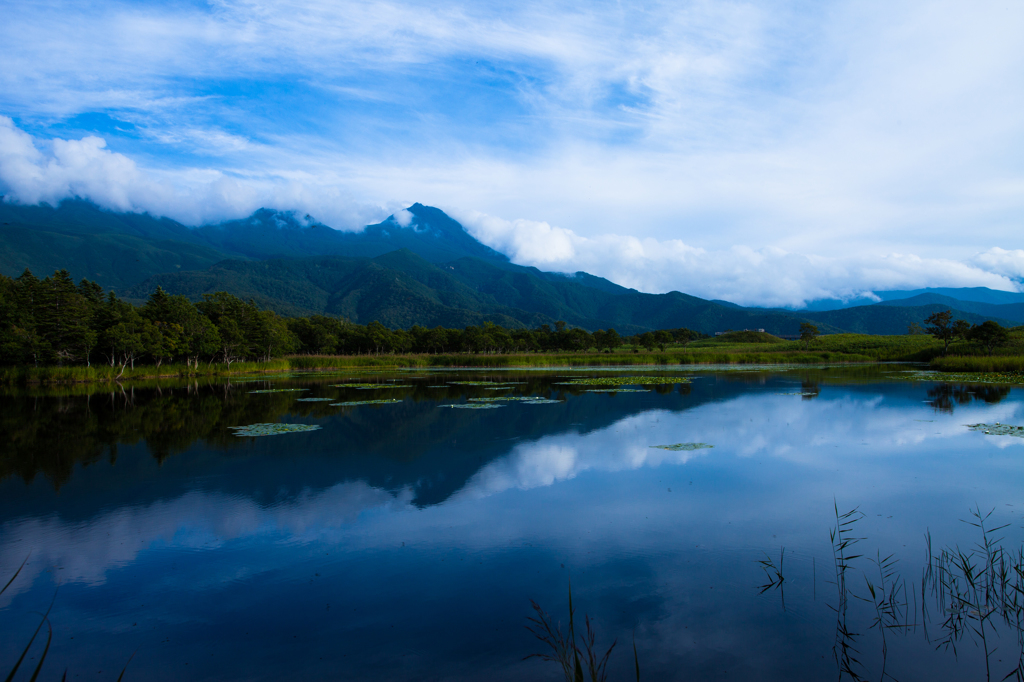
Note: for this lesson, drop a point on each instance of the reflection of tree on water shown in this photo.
(945, 397)
(809, 390)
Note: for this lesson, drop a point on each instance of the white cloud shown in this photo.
(763, 276)
(34, 171)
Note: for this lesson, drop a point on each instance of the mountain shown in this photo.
(120, 250)
(117, 250)
(419, 267)
(400, 289)
(429, 232)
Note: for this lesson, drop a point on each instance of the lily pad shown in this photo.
(271, 429)
(998, 429)
(368, 386)
(313, 400)
(676, 447)
(625, 381)
(486, 383)
(540, 401)
(366, 402)
(279, 390)
(617, 390)
(474, 406)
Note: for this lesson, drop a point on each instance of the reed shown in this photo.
(27, 376)
(577, 663)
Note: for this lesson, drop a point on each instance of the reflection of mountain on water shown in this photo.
(414, 445)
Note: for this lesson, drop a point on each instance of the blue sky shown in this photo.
(768, 152)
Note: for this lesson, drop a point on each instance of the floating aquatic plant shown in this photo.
(313, 400)
(486, 383)
(369, 386)
(279, 390)
(624, 381)
(365, 388)
(676, 447)
(271, 429)
(964, 377)
(617, 390)
(366, 402)
(998, 429)
(502, 398)
(474, 406)
(540, 401)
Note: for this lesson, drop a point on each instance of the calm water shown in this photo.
(405, 541)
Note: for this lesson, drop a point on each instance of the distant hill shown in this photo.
(903, 297)
(1008, 311)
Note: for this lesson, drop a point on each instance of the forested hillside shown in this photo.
(55, 322)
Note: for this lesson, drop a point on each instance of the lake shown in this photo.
(404, 539)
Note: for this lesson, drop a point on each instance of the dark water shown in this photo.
(405, 541)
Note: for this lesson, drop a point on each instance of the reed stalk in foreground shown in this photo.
(578, 664)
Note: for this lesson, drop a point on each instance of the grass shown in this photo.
(23, 376)
(830, 349)
(979, 363)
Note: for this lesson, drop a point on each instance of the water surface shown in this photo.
(405, 540)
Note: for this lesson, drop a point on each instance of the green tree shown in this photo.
(989, 334)
(647, 341)
(808, 332)
(662, 338)
(63, 316)
(940, 325)
(612, 340)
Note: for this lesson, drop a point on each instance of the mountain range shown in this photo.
(423, 268)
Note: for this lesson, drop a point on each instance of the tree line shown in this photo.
(54, 321)
(941, 325)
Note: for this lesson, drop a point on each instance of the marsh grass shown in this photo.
(978, 589)
(24, 376)
(578, 663)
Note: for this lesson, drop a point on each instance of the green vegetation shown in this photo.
(748, 336)
(678, 447)
(351, 403)
(254, 430)
(998, 429)
(54, 331)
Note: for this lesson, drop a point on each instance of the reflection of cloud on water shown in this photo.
(826, 433)
(559, 458)
(85, 551)
(811, 433)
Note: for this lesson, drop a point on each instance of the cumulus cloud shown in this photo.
(35, 170)
(767, 276)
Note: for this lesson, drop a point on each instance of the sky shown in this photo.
(767, 153)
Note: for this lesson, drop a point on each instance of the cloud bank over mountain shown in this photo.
(809, 142)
